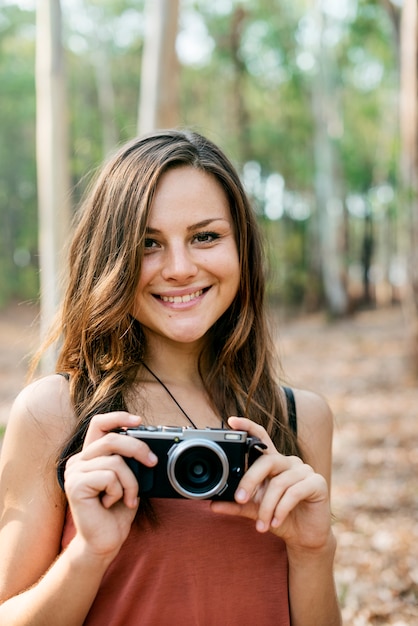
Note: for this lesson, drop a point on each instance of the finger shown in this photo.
(248, 510)
(117, 490)
(106, 422)
(253, 429)
(274, 492)
(112, 491)
(121, 444)
(313, 489)
(107, 477)
(265, 467)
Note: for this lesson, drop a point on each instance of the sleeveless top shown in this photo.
(192, 567)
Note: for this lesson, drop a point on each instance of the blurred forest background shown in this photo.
(305, 96)
(316, 103)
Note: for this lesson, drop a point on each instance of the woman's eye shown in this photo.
(149, 244)
(206, 237)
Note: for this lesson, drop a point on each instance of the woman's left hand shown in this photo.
(282, 494)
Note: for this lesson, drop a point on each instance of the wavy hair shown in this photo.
(102, 345)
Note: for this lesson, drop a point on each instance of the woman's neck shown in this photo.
(174, 363)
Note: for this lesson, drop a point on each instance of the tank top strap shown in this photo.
(291, 409)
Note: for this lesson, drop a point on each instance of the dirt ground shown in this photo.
(361, 366)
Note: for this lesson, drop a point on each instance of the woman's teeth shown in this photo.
(179, 299)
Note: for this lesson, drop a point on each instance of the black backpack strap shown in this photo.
(291, 409)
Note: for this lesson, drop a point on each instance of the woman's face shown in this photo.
(190, 270)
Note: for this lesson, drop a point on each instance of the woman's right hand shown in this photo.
(101, 489)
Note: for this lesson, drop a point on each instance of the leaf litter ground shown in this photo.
(362, 366)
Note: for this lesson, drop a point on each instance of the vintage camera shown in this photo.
(193, 463)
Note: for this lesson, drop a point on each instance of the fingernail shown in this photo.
(241, 495)
(152, 457)
(260, 526)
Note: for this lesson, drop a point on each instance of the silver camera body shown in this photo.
(193, 463)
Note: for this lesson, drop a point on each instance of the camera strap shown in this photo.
(255, 449)
(170, 394)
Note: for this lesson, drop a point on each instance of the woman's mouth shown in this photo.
(181, 299)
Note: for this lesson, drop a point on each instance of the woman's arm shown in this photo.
(38, 584)
(63, 595)
(290, 498)
(312, 594)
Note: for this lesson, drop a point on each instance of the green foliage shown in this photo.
(252, 93)
(369, 104)
(18, 233)
(287, 278)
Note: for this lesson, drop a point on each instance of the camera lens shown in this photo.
(198, 468)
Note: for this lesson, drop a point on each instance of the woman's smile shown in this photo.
(182, 298)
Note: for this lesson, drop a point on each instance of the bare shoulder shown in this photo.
(45, 403)
(313, 412)
(40, 421)
(315, 430)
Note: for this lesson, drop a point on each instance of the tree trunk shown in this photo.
(52, 159)
(239, 116)
(409, 164)
(106, 98)
(158, 105)
(330, 207)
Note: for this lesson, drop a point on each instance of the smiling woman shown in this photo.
(163, 327)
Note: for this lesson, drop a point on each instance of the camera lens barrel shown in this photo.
(197, 468)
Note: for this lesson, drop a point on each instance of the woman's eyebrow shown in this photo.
(206, 222)
(202, 224)
(152, 231)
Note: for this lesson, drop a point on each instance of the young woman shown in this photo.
(163, 323)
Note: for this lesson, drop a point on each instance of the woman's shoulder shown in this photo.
(312, 410)
(315, 429)
(44, 406)
(40, 421)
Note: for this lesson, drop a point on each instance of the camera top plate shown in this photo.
(180, 433)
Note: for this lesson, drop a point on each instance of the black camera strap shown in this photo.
(255, 449)
(171, 395)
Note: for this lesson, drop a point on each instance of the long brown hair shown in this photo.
(102, 345)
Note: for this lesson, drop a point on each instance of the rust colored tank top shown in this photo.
(194, 568)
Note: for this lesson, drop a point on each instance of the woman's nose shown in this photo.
(179, 264)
